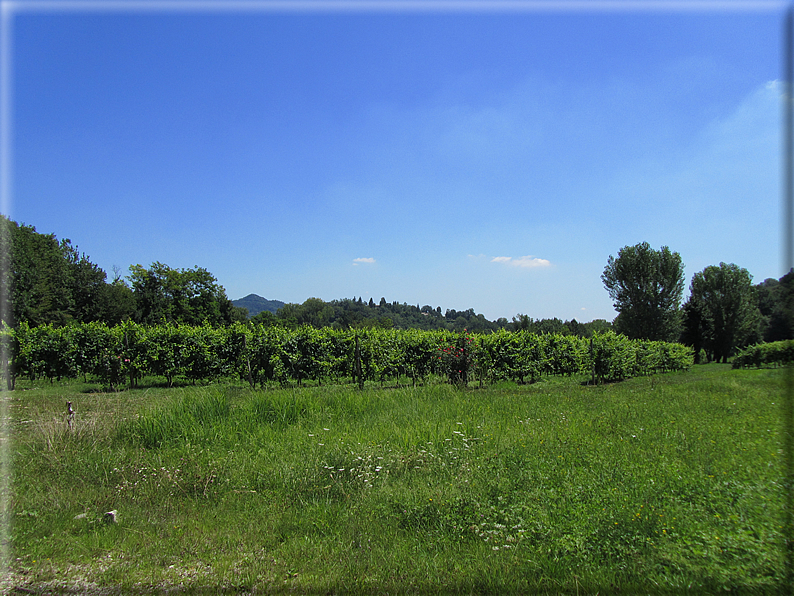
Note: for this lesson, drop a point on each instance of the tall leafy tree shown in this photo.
(776, 303)
(119, 303)
(696, 329)
(36, 276)
(315, 312)
(729, 308)
(6, 271)
(186, 296)
(646, 286)
(86, 285)
(45, 280)
(153, 303)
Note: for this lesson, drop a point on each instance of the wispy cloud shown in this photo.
(363, 260)
(527, 262)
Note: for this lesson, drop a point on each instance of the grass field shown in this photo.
(662, 484)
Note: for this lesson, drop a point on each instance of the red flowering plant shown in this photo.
(456, 361)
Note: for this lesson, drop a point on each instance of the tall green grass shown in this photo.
(664, 483)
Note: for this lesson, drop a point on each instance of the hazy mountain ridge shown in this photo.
(256, 304)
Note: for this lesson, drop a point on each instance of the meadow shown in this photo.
(665, 483)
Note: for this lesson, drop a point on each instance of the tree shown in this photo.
(597, 326)
(49, 281)
(646, 286)
(153, 303)
(118, 302)
(186, 296)
(695, 329)
(776, 303)
(45, 280)
(39, 284)
(86, 285)
(315, 312)
(729, 308)
(522, 322)
(264, 318)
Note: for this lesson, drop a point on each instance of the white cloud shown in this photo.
(530, 261)
(363, 260)
(527, 262)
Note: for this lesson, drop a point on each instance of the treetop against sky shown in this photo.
(479, 159)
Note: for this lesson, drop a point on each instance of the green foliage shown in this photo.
(164, 351)
(646, 286)
(48, 353)
(357, 314)
(456, 360)
(695, 328)
(182, 296)
(263, 355)
(418, 350)
(776, 304)
(39, 276)
(9, 355)
(727, 309)
(778, 353)
(50, 282)
(612, 356)
(119, 303)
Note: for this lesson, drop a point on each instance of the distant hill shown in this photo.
(256, 304)
(359, 314)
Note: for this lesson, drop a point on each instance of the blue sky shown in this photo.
(486, 160)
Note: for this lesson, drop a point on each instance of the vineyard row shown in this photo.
(778, 353)
(125, 353)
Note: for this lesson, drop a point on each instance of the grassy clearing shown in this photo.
(664, 483)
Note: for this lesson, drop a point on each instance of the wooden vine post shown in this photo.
(69, 416)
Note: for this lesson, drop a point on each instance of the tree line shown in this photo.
(724, 312)
(49, 282)
(356, 313)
